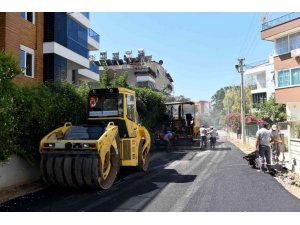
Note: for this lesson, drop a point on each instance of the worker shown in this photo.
(263, 138)
(167, 138)
(275, 145)
(213, 137)
(203, 136)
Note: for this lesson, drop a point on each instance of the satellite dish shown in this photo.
(264, 17)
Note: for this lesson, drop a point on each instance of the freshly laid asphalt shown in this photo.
(185, 179)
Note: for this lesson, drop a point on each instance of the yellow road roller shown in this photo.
(91, 155)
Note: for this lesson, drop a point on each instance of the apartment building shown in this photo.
(285, 33)
(51, 46)
(261, 78)
(22, 34)
(142, 71)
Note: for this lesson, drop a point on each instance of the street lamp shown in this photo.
(240, 69)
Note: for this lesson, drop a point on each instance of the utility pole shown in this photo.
(240, 68)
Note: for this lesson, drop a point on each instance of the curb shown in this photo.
(21, 190)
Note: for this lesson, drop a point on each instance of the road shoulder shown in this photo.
(290, 181)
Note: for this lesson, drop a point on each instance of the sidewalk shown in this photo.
(17, 191)
(290, 180)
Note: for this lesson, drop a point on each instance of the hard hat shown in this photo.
(274, 127)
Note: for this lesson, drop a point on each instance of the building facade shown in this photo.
(22, 34)
(261, 79)
(50, 46)
(142, 71)
(285, 33)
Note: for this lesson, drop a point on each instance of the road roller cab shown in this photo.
(91, 155)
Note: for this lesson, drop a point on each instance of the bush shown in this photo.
(29, 113)
(151, 107)
(9, 67)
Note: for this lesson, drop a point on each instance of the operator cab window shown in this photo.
(120, 105)
(104, 106)
(130, 107)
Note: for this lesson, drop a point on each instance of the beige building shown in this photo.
(142, 71)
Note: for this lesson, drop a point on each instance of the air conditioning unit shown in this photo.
(295, 52)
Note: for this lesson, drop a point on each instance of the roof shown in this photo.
(180, 103)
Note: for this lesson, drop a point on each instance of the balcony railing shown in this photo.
(94, 67)
(255, 64)
(280, 20)
(94, 35)
(86, 14)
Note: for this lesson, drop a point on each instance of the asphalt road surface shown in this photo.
(188, 179)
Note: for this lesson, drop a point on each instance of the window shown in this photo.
(130, 107)
(30, 16)
(77, 32)
(104, 105)
(295, 76)
(73, 76)
(282, 45)
(27, 61)
(295, 41)
(258, 98)
(283, 78)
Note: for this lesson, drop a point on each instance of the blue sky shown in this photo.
(199, 50)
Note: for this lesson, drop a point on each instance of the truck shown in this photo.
(91, 155)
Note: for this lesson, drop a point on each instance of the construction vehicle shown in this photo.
(91, 155)
(180, 121)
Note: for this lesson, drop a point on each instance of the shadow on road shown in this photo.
(129, 184)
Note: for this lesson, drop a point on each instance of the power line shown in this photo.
(246, 39)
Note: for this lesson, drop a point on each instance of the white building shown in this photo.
(262, 79)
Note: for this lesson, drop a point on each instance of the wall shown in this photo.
(293, 110)
(295, 154)
(283, 62)
(17, 172)
(2, 30)
(19, 31)
(161, 80)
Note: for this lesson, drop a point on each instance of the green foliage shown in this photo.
(9, 67)
(179, 98)
(271, 112)
(151, 107)
(217, 115)
(116, 81)
(232, 100)
(29, 113)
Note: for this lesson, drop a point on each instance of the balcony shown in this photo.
(92, 74)
(94, 68)
(280, 20)
(256, 64)
(81, 18)
(281, 27)
(86, 14)
(93, 40)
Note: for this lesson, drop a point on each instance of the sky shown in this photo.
(199, 50)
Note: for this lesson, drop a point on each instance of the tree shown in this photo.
(117, 80)
(232, 100)
(180, 98)
(218, 112)
(271, 112)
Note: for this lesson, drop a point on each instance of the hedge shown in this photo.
(28, 113)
